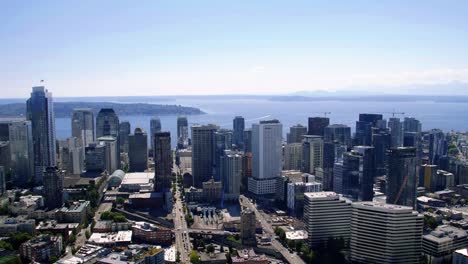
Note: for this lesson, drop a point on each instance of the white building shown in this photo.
(385, 233)
(326, 214)
(296, 190)
(266, 157)
(112, 153)
(439, 245)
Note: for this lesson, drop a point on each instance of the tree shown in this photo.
(178, 257)
(6, 245)
(210, 248)
(72, 238)
(120, 200)
(19, 238)
(87, 234)
(194, 257)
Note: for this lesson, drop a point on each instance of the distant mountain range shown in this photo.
(64, 109)
(454, 88)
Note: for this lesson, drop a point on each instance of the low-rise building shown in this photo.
(76, 213)
(248, 256)
(150, 233)
(120, 238)
(137, 182)
(212, 190)
(52, 227)
(42, 248)
(212, 258)
(297, 235)
(440, 243)
(27, 204)
(111, 226)
(193, 194)
(136, 254)
(18, 224)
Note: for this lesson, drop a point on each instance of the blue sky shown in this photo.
(112, 47)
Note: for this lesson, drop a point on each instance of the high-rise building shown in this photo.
(224, 139)
(248, 140)
(155, 126)
(2, 180)
(182, 132)
(203, 153)
(401, 176)
(366, 172)
(312, 147)
(138, 151)
(248, 227)
(124, 133)
(22, 153)
(338, 133)
(381, 142)
(107, 123)
(293, 156)
(231, 168)
(371, 118)
(112, 155)
(238, 125)
(266, 157)
(326, 215)
(82, 123)
(162, 161)
(396, 132)
(95, 157)
(437, 145)
(76, 156)
(53, 188)
(395, 239)
(364, 127)
(295, 134)
(40, 111)
(317, 125)
(410, 124)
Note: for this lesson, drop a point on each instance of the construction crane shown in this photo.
(324, 113)
(394, 113)
(401, 189)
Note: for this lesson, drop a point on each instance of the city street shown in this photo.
(182, 237)
(267, 228)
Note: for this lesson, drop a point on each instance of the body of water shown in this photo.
(221, 111)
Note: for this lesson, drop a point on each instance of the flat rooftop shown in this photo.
(138, 178)
(297, 235)
(384, 207)
(106, 238)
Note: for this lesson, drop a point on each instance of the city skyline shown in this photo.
(162, 48)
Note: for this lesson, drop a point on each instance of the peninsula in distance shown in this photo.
(64, 109)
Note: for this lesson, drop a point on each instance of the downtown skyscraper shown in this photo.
(266, 157)
(182, 132)
(203, 153)
(162, 161)
(138, 151)
(40, 111)
(82, 123)
(401, 176)
(238, 125)
(155, 126)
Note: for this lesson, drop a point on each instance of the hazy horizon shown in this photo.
(154, 48)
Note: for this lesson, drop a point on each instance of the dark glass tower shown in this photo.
(203, 153)
(40, 111)
(317, 125)
(401, 176)
(155, 126)
(107, 123)
(124, 131)
(295, 133)
(138, 151)
(238, 125)
(182, 132)
(162, 161)
(338, 133)
(53, 188)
